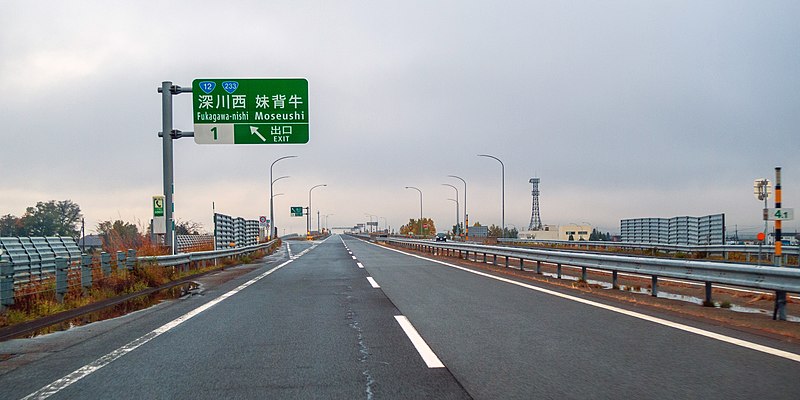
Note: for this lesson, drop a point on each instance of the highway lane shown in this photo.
(504, 341)
(313, 328)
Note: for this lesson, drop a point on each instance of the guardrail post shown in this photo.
(614, 280)
(583, 274)
(522, 264)
(539, 267)
(105, 263)
(708, 293)
(86, 271)
(130, 261)
(484, 258)
(6, 284)
(506, 261)
(558, 270)
(494, 259)
(120, 261)
(654, 291)
(61, 278)
(780, 305)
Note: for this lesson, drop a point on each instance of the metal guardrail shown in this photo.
(186, 258)
(778, 279)
(724, 250)
(63, 267)
(36, 256)
(190, 242)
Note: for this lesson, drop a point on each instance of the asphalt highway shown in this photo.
(308, 323)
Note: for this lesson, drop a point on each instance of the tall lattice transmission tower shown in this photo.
(536, 220)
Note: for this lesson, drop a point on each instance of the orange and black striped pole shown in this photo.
(778, 257)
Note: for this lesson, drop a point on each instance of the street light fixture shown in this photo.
(326, 220)
(273, 230)
(503, 191)
(458, 226)
(420, 207)
(466, 215)
(309, 206)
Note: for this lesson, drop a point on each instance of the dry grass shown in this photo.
(37, 299)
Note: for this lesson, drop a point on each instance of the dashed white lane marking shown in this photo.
(430, 358)
(712, 335)
(101, 362)
(373, 283)
(354, 257)
(360, 265)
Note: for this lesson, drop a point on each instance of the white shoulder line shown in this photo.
(676, 325)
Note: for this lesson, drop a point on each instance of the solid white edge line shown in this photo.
(712, 335)
(360, 265)
(101, 362)
(373, 283)
(430, 358)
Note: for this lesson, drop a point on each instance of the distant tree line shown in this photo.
(600, 236)
(498, 231)
(50, 218)
(63, 218)
(413, 227)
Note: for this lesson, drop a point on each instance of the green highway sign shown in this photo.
(296, 211)
(250, 111)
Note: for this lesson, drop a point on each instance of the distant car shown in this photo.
(441, 237)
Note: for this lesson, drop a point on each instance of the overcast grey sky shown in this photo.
(623, 108)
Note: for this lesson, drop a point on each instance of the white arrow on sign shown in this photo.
(254, 131)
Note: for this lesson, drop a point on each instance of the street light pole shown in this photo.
(369, 225)
(458, 226)
(466, 215)
(272, 223)
(503, 191)
(420, 207)
(271, 209)
(309, 206)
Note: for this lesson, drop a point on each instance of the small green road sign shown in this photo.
(250, 111)
(158, 206)
(297, 211)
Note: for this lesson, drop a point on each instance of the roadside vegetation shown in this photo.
(37, 299)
